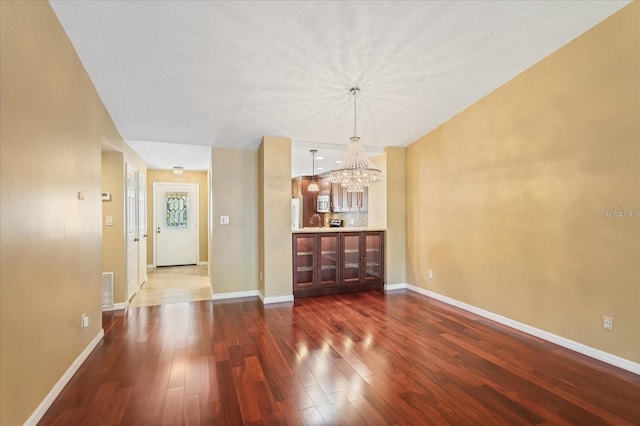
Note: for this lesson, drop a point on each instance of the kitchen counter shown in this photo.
(308, 230)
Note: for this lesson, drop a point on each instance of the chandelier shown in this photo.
(356, 170)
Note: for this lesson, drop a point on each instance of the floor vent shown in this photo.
(107, 290)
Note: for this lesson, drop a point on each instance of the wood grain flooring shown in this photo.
(363, 358)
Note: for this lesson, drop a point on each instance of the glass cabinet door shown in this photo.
(351, 257)
(329, 256)
(304, 252)
(373, 256)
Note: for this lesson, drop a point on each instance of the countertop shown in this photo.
(309, 230)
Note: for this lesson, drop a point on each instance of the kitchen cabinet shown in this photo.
(362, 257)
(316, 260)
(344, 201)
(337, 262)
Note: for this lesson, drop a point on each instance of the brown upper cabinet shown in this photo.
(345, 201)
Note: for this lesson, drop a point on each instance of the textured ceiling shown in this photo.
(226, 73)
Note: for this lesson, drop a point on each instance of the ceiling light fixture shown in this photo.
(178, 171)
(313, 186)
(356, 170)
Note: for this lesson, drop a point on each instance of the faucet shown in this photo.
(316, 215)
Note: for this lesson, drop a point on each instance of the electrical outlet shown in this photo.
(430, 274)
(224, 220)
(607, 323)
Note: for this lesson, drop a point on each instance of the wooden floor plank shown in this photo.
(364, 358)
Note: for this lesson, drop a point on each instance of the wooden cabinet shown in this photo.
(362, 257)
(337, 262)
(316, 260)
(344, 201)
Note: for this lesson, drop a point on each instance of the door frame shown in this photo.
(131, 220)
(197, 216)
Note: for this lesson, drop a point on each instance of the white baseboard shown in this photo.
(275, 299)
(37, 415)
(116, 307)
(598, 354)
(203, 263)
(391, 287)
(234, 294)
(152, 266)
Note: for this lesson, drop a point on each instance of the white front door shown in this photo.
(142, 228)
(176, 223)
(132, 231)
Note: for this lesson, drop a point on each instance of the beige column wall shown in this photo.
(275, 217)
(395, 252)
(234, 247)
(202, 179)
(51, 130)
(505, 201)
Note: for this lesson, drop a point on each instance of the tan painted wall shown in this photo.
(51, 128)
(377, 196)
(275, 217)
(114, 255)
(395, 243)
(202, 179)
(505, 201)
(234, 247)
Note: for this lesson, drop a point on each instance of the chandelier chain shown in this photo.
(355, 91)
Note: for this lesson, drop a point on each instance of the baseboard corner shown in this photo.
(55, 391)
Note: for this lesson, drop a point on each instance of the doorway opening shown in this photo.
(177, 262)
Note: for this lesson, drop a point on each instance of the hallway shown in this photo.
(173, 284)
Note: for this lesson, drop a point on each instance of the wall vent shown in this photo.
(107, 290)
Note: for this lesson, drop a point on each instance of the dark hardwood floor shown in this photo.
(363, 358)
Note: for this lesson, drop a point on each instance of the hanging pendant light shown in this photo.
(313, 186)
(356, 170)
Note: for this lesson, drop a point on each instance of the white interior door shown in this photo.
(132, 231)
(142, 228)
(176, 223)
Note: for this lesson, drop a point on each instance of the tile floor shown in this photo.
(173, 284)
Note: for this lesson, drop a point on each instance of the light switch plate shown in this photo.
(224, 220)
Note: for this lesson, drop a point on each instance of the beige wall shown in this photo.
(234, 247)
(51, 129)
(395, 245)
(275, 246)
(201, 178)
(113, 237)
(505, 201)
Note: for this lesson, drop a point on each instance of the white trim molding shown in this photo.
(40, 411)
(116, 307)
(391, 287)
(234, 294)
(275, 299)
(598, 354)
(203, 263)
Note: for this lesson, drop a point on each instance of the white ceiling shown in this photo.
(226, 73)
